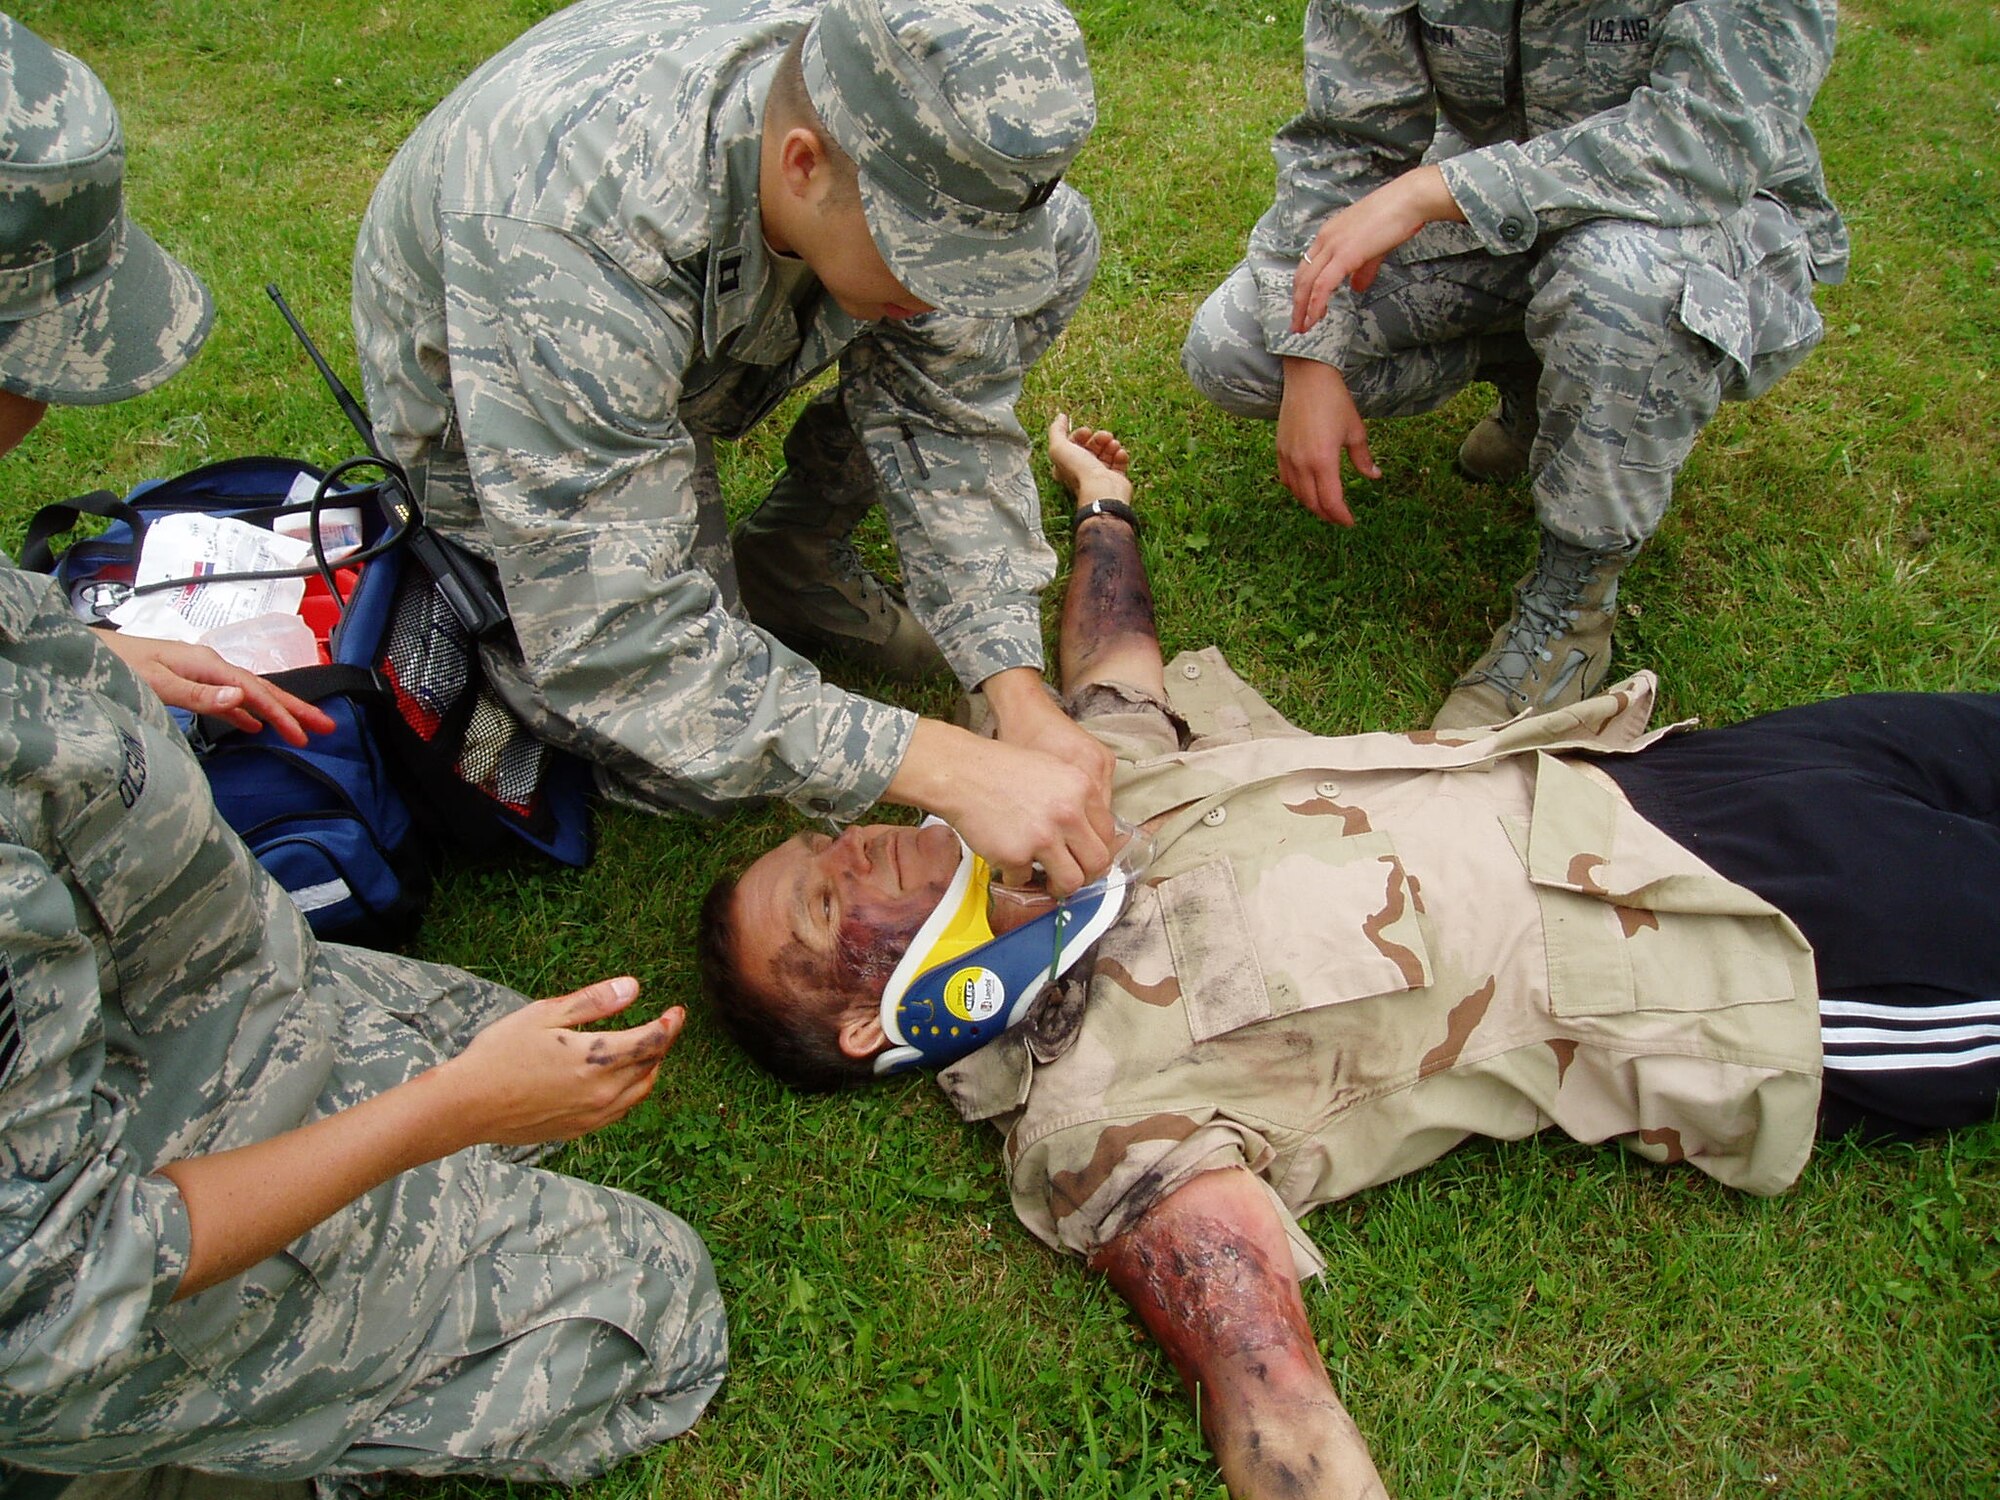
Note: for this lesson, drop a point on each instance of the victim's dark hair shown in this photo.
(783, 1038)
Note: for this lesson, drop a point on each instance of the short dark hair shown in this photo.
(797, 1049)
(789, 103)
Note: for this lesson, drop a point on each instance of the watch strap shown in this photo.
(1117, 509)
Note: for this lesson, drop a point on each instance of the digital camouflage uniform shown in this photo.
(1352, 953)
(562, 294)
(91, 308)
(160, 998)
(1646, 220)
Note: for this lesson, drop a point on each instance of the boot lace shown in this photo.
(1545, 609)
(862, 583)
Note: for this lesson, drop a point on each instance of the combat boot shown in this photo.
(1496, 450)
(796, 567)
(1556, 647)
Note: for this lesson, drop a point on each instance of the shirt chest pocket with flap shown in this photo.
(1268, 926)
(1634, 921)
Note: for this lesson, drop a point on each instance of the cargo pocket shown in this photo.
(1785, 323)
(1237, 967)
(1685, 385)
(1633, 921)
(1606, 958)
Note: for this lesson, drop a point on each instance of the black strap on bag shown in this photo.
(60, 519)
(312, 684)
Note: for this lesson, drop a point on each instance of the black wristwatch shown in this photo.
(1117, 509)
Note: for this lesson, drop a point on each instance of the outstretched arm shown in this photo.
(1108, 629)
(530, 1076)
(1209, 1271)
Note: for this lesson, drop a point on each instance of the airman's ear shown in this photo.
(861, 1035)
(803, 162)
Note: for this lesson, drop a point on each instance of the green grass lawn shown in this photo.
(1533, 1319)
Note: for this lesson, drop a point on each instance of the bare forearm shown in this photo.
(249, 1203)
(1208, 1270)
(1109, 631)
(932, 772)
(530, 1076)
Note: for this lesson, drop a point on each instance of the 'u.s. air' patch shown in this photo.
(1621, 31)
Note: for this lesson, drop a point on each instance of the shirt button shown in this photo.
(1328, 789)
(1215, 816)
(1512, 229)
(821, 804)
(1191, 671)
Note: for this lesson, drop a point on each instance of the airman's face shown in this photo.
(843, 256)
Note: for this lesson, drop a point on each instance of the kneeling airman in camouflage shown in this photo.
(637, 229)
(1613, 214)
(267, 1205)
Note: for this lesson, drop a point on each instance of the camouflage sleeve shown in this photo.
(1369, 116)
(567, 378)
(933, 399)
(91, 1247)
(1722, 118)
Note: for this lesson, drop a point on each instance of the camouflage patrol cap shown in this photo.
(91, 310)
(960, 117)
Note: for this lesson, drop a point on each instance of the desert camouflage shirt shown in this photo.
(1353, 953)
(1669, 112)
(564, 272)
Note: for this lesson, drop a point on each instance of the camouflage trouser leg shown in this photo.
(586, 1327)
(447, 1007)
(1639, 332)
(1426, 329)
(471, 1314)
(1642, 333)
(827, 483)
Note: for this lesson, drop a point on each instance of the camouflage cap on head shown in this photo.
(961, 117)
(91, 310)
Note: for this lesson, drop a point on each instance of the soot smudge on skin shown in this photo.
(1210, 1292)
(1118, 598)
(868, 951)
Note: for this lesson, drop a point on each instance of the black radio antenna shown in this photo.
(468, 590)
(350, 408)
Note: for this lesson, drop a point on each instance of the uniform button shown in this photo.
(1328, 789)
(1191, 671)
(1512, 229)
(1215, 816)
(821, 804)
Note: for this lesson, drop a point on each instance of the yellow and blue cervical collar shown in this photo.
(958, 986)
